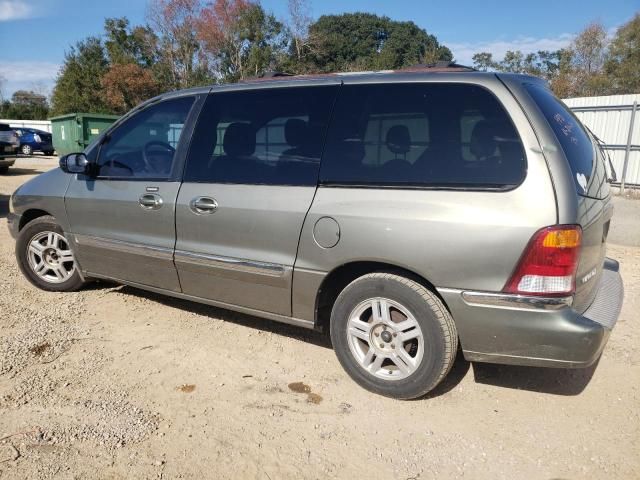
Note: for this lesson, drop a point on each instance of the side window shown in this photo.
(427, 134)
(268, 136)
(144, 146)
(573, 138)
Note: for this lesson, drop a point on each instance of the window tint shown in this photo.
(573, 138)
(271, 136)
(144, 146)
(421, 135)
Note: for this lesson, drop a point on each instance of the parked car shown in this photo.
(8, 147)
(34, 140)
(408, 213)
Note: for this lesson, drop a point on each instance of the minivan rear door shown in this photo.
(589, 173)
(250, 178)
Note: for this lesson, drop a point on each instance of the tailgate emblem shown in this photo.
(589, 276)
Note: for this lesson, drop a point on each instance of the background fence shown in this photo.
(44, 125)
(612, 118)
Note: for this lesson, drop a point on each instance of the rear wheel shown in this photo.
(3, 170)
(26, 149)
(392, 335)
(45, 256)
(49, 153)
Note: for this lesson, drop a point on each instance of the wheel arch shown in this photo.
(338, 278)
(30, 215)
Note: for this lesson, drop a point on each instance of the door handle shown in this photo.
(150, 201)
(203, 205)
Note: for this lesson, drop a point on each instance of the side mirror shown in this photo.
(74, 163)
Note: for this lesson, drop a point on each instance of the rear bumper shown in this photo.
(552, 335)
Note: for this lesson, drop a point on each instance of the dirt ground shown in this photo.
(112, 382)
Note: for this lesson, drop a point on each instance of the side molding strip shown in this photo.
(124, 247)
(230, 263)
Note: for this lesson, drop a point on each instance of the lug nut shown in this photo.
(382, 345)
(393, 345)
(376, 334)
(395, 334)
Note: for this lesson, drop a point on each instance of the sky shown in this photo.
(34, 34)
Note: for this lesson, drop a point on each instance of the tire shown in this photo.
(50, 257)
(26, 150)
(49, 153)
(427, 358)
(4, 170)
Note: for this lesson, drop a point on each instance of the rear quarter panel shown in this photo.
(453, 239)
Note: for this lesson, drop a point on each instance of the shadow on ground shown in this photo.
(4, 205)
(16, 172)
(298, 333)
(555, 381)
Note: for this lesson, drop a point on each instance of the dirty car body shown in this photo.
(472, 189)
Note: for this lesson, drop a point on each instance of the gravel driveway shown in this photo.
(112, 382)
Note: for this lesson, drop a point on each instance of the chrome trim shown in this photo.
(162, 253)
(236, 308)
(515, 302)
(230, 263)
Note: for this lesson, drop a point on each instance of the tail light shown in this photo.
(548, 265)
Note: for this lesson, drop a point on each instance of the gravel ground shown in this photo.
(112, 382)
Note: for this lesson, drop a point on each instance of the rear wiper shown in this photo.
(605, 153)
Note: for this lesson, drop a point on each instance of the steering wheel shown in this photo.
(112, 163)
(154, 148)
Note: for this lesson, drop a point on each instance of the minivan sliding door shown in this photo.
(250, 178)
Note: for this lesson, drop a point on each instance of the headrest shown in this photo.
(239, 140)
(399, 139)
(483, 139)
(295, 131)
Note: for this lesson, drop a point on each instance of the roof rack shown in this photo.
(274, 74)
(443, 64)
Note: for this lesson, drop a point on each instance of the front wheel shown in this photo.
(45, 256)
(392, 335)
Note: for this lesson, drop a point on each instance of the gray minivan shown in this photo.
(408, 213)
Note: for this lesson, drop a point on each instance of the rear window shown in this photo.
(574, 140)
(426, 134)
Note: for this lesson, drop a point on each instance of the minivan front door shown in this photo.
(250, 178)
(123, 219)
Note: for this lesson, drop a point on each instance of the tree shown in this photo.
(25, 105)
(359, 41)
(483, 61)
(299, 22)
(125, 45)
(589, 48)
(78, 86)
(180, 64)
(126, 85)
(241, 39)
(623, 64)
(3, 82)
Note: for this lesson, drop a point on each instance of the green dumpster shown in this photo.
(74, 131)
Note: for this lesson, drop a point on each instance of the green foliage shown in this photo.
(78, 87)
(26, 105)
(623, 64)
(363, 41)
(241, 39)
(125, 45)
(590, 65)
